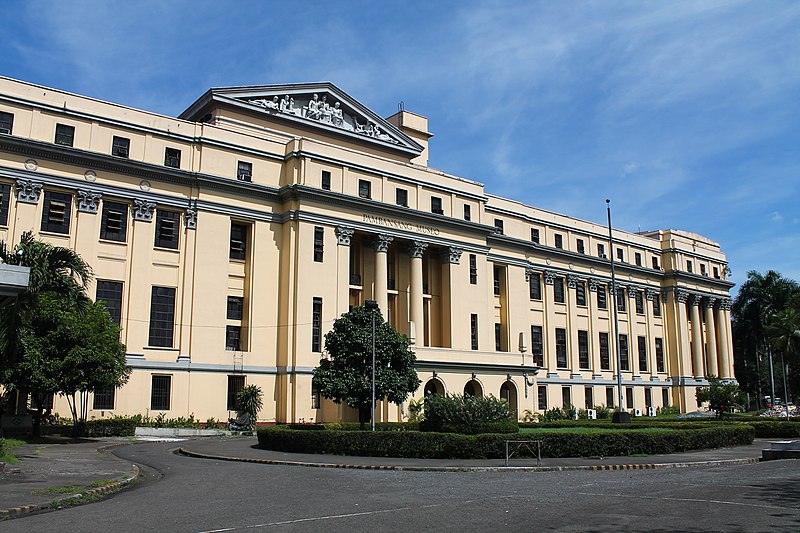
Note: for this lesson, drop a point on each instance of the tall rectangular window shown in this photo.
(655, 263)
(235, 384)
(498, 337)
(319, 243)
(639, 298)
(558, 290)
(316, 325)
(5, 197)
(601, 250)
(620, 255)
(244, 171)
(648, 397)
(473, 269)
(537, 345)
(703, 271)
(715, 270)
(602, 300)
(326, 180)
(120, 146)
(235, 309)
(6, 123)
(401, 197)
(581, 246)
(114, 222)
(642, 345)
(629, 397)
(473, 331)
(364, 189)
(689, 267)
(622, 305)
(162, 317)
(583, 350)
(656, 305)
(561, 348)
(167, 229)
(467, 212)
(316, 397)
(637, 259)
(566, 396)
(160, 393)
(498, 226)
(56, 213)
(659, 355)
(580, 293)
(610, 397)
(588, 397)
(103, 399)
(497, 275)
(559, 240)
(172, 157)
(110, 293)
(605, 360)
(665, 397)
(65, 135)
(436, 205)
(233, 337)
(624, 361)
(541, 394)
(238, 243)
(535, 235)
(535, 281)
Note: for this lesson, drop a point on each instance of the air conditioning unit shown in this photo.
(592, 414)
(637, 412)
(575, 414)
(651, 411)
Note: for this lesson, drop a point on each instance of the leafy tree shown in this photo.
(346, 375)
(249, 401)
(721, 396)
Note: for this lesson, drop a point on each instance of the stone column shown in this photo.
(572, 333)
(451, 301)
(697, 338)
(343, 235)
(548, 333)
(711, 339)
(722, 338)
(381, 285)
(417, 314)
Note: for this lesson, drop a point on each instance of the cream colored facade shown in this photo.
(269, 211)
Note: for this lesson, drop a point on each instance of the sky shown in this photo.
(685, 114)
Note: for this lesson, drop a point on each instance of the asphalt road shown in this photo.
(182, 494)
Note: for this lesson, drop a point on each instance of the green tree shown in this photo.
(721, 396)
(346, 374)
(249, 401)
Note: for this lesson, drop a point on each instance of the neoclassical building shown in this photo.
(227, 240)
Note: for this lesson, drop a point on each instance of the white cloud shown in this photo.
(776, 217)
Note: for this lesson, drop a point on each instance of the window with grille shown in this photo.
(498, 337)
(624, 361)
(542, 397)
(316, 325)
(535, 281)
(235, 384)
(5, 197)
(160, 393)
(103, 399)
(642, 342)
(6, 123)
(172, 157)
(605, 360)
(473, 269)
(588, 397)
(639, 298)
(319, 243)
(162, 317)
(238, 243)
(473, 328)
(56, 214)
(364, 189)
(659, 355)
(602, 300)
(467, 212)
(535, 235)
(622, 306)
(497, 275)
(656, 305)
(65, 135)
(583, 350)
(167, 229)
(566, 396)
(110, 293)
(114, 222)
(326, 180)
(244, 171)
(233, 336)
(537, 345)
(558, 290)
(561, 348)
(559, 240)
(401, 197)
(235, 308)
(120, 146)
(436, 205)
(580, 293)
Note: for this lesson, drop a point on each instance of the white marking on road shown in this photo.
(312, 519)
(693, 500)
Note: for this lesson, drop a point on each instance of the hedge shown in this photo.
(119, 426)
(454, 446)
(3, 447)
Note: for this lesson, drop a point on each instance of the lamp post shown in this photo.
(372, 305)
(620, 416)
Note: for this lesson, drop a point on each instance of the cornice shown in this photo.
(686, 277)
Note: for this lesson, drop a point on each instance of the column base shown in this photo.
(621, 417)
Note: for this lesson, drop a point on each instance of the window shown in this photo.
(688, 266)
(498, 226)
(162, 316)
(364, 189)
(467, 212)
(110, 293)
(65, 135)
(120, 146)
(244, 171)
(114, 222)
(566, 396)
(473, 269)
(401, 197)
(559, 240)
(665, 397)
(580, 293)
(588, 397)
(648, 397)
(715, 270)
(473, 329)
(655, 263)
(639, 298)
(233, 336)
(637, 258)
(316, 397)
(659, 355)
(235, 384)
(436, 205)
(316, 325)
(46, 402)
(624, 361)
(172, 158)
(6, 123)
(561, 348)
(656, 305)
(57, 209)
(703, 271)
(535, 281)
(167, 226)
(581, 246)
(629, 397)
(498, 337)
(103, 399)
(558, 290)
(602, 301)
(583, 350)
(497, 276)
(537, 345)
(160, 393)
(622, 305)
(5, 195)
(326, 180)
(620, 255)
(319, 243)
(601, 250)
(238, 244)
(609, 396)
(605, 360)
(235, 308)
(642, 342)
(541, 394)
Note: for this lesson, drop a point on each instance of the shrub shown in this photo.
(770, 429)
(603, 412)
(3, 447)
(556, 413)
(118, 426)
(668, 410)
(249, 401)
(468, 415)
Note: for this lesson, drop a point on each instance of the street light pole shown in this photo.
(620, 416)
(373, 306)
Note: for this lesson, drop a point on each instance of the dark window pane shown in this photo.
(162, 316)
(160, 393)
(580, 293)
(326, 180)
(316, 325)
(473, 326)
(583, 349)
(401, 197)
(467, 212)
(602, 301)
(6, 123)
(535, 235)
(542, 397)
(537, 345)
(5, 196)
(558, 290)
(498, 226)
(235, 308)
(120, 146)
(233, 336)
(172, 158)
(114, 223)
(238, 244)
(624, 362)
(235, 384)
(167, 228)
(605, 361)
(535, 281)
(110, 293)
(473, 269)
(319, 243)
(364, 189)
(65, 135)
(642, 346)
(561, 348)
(103, 399)
(57, 209)
(659, 355)
(244, 171)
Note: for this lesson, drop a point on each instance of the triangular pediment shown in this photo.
(317, 105)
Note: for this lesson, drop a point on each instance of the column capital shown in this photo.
(549, 277)
(632, 290)
(143, 210)
(528, 273)
(682, 296)
(88, 201)
(709, 301)
(28, 191)
(343, 234)
(382, 242)
(650, 294)
(417, 248)
(190, 215)
(696, 299)
(452, 254)
(572, 281)
(594, 284)
(724, 304)
(617, 287)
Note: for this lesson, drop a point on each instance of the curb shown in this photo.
(640, 466)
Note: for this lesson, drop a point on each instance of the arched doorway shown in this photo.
(473, 388)
(434, 386)
(508, 391)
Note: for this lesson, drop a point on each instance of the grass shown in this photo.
(77, 489)
(9, 457)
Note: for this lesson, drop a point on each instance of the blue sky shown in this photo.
(685, 114)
